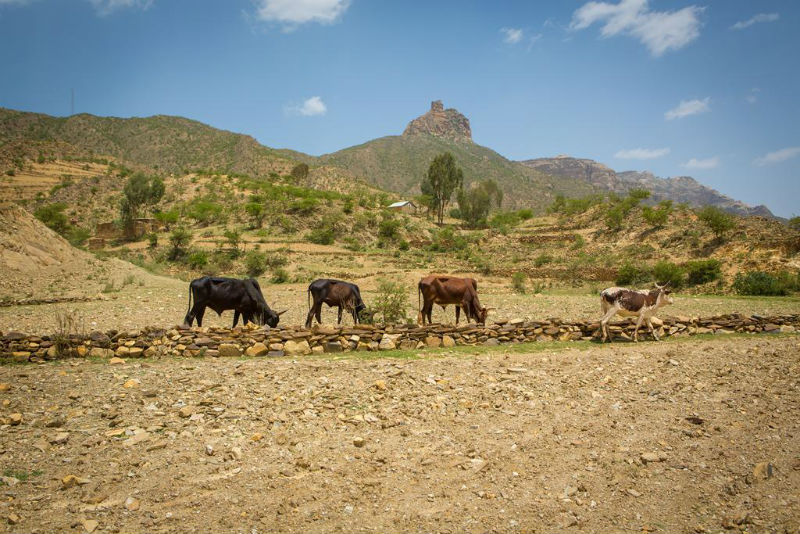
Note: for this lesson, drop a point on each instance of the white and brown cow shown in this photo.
(644, 304)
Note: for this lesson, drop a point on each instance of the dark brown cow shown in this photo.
(343, 295)
(444, 290)
(643, 304)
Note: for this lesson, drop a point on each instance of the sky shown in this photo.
(707, 89)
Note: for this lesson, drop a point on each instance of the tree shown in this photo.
(794, 223)
(443, 179)
(257, 212)
(657, 218)
(139, 192)
(717, 220)
(300, 171)
(475, 202)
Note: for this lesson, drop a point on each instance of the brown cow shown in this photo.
(444, 290)
(343, 295)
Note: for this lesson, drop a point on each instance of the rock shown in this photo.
(90, 525)
(359, 441)
(295, 348)
(380, 385)
(4, 386)
(60, 438)
(132, 383)
(259, 349)
(257, 437)
(388, 342)
(186, 411)
(71, 481)
(236, 453)
(491, 342)
(333, 346)
(448, 341)
(440, 122)
(317, 349)
(763, 471)
(97, 352)
(229, 350)
(13, 519)
(275, 354)
(132, 504)
(632, 492)
(135, 352)
(209, 449)
(433, 341)
(15, 419)
(652, 457)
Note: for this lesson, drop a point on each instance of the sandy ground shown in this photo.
(687, 435)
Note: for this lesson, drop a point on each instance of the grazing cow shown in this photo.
(343, 295)
(244, 297)
(444, 290)
(643, 304)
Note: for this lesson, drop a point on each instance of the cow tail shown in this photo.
(308, 299)
(419, 305)
(190, 299)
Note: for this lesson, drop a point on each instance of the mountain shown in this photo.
(678, 189)
(399, 162)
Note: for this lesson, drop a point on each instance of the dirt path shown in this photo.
(665, 437)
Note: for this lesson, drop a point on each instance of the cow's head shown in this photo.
(270, 317)
(664, 295)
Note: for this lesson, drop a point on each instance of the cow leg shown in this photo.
(236, 318)
(636, 330)
(187, 321)
(428, 312)
(652, 330)
(319, 313)
(198, 313)
(339, 321)
(310, 317)
(604, 324)
(458, 314)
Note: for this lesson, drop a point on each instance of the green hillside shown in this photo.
(398, 163)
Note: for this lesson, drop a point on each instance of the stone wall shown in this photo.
(292, 341)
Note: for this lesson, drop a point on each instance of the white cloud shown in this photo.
(310, 107)
(642, 153)
(292, 13)
(105, 7)
(761, 17)
(659, 31)
(777, 156)
(512, 35)
(688, 107)
(708, 163)
(753, 96)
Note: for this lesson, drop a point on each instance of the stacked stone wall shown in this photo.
(292, 341)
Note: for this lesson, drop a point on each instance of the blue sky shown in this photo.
(701, 88)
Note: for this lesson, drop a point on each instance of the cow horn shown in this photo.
(281, 312)
(658, 286)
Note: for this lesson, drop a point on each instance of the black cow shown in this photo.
(244, 297)
(334, 293)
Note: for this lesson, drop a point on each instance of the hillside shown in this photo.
(678, 189)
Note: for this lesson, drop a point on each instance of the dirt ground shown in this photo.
(687, 435)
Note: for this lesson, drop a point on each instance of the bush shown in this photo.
(518, 282)
(304, 206)
(52, 215)
(629, 274)
(321, 236)
(255, 263)
(152, 240)
(179, 240)
(542, 259)
(702, 271)
(447, 240)
(391, 301)
(390, 228)
(794, 223)
(657, 218)
(717, 220)
(525, 214)
(77, 236)
(205, 212)
(668, 272)
(197, 259)
(233, 239)
(757, 283)
(280, 276)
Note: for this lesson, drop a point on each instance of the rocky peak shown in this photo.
(440, 122)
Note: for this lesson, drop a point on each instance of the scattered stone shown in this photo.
(132, 383)
(448, 342)
(652, 457)
(380, 385)
(13, 519)
(296, 348)
(259, 349)
(132, 504)
(632, 492)
(433, 341)
(209, 449)
(359, 441)
(186, 411)
(763, 471)
(70, 481)
(236, 453)
(60, 438)
(229, 350)
(4, 386)
(90, 525)
(15, 419)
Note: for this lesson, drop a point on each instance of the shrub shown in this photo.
(347, 207)
(197, 259)
(542, 259)
(52, 215)
(794, 223)
(152, 240)
(447, 240)
(179, 240)
(300, 171)
(391, 301)
(577, 242)
(504, 219)
(518, 282)
(255, 263)
(390, 228)
(77, 236)
(276, 259)
(205, 212)
(717, 220)
(233, 239)
(321, 236)
(668, 272)
(702, 271)
(525, 214)
(758, 283)
(629, 274)
(403, 245)
(280, 276)
(657, 218)
(304, 206)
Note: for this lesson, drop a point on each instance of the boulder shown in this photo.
(229, 350)
(294, 348)
(259, 349)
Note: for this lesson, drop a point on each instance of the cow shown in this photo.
(343, 295)
(643, 304)
(444, 290)
(244, 297)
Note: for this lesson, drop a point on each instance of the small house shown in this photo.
(405, 206)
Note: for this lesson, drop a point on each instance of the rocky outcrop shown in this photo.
(297, 341)
(440, 122)
(678, 189)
